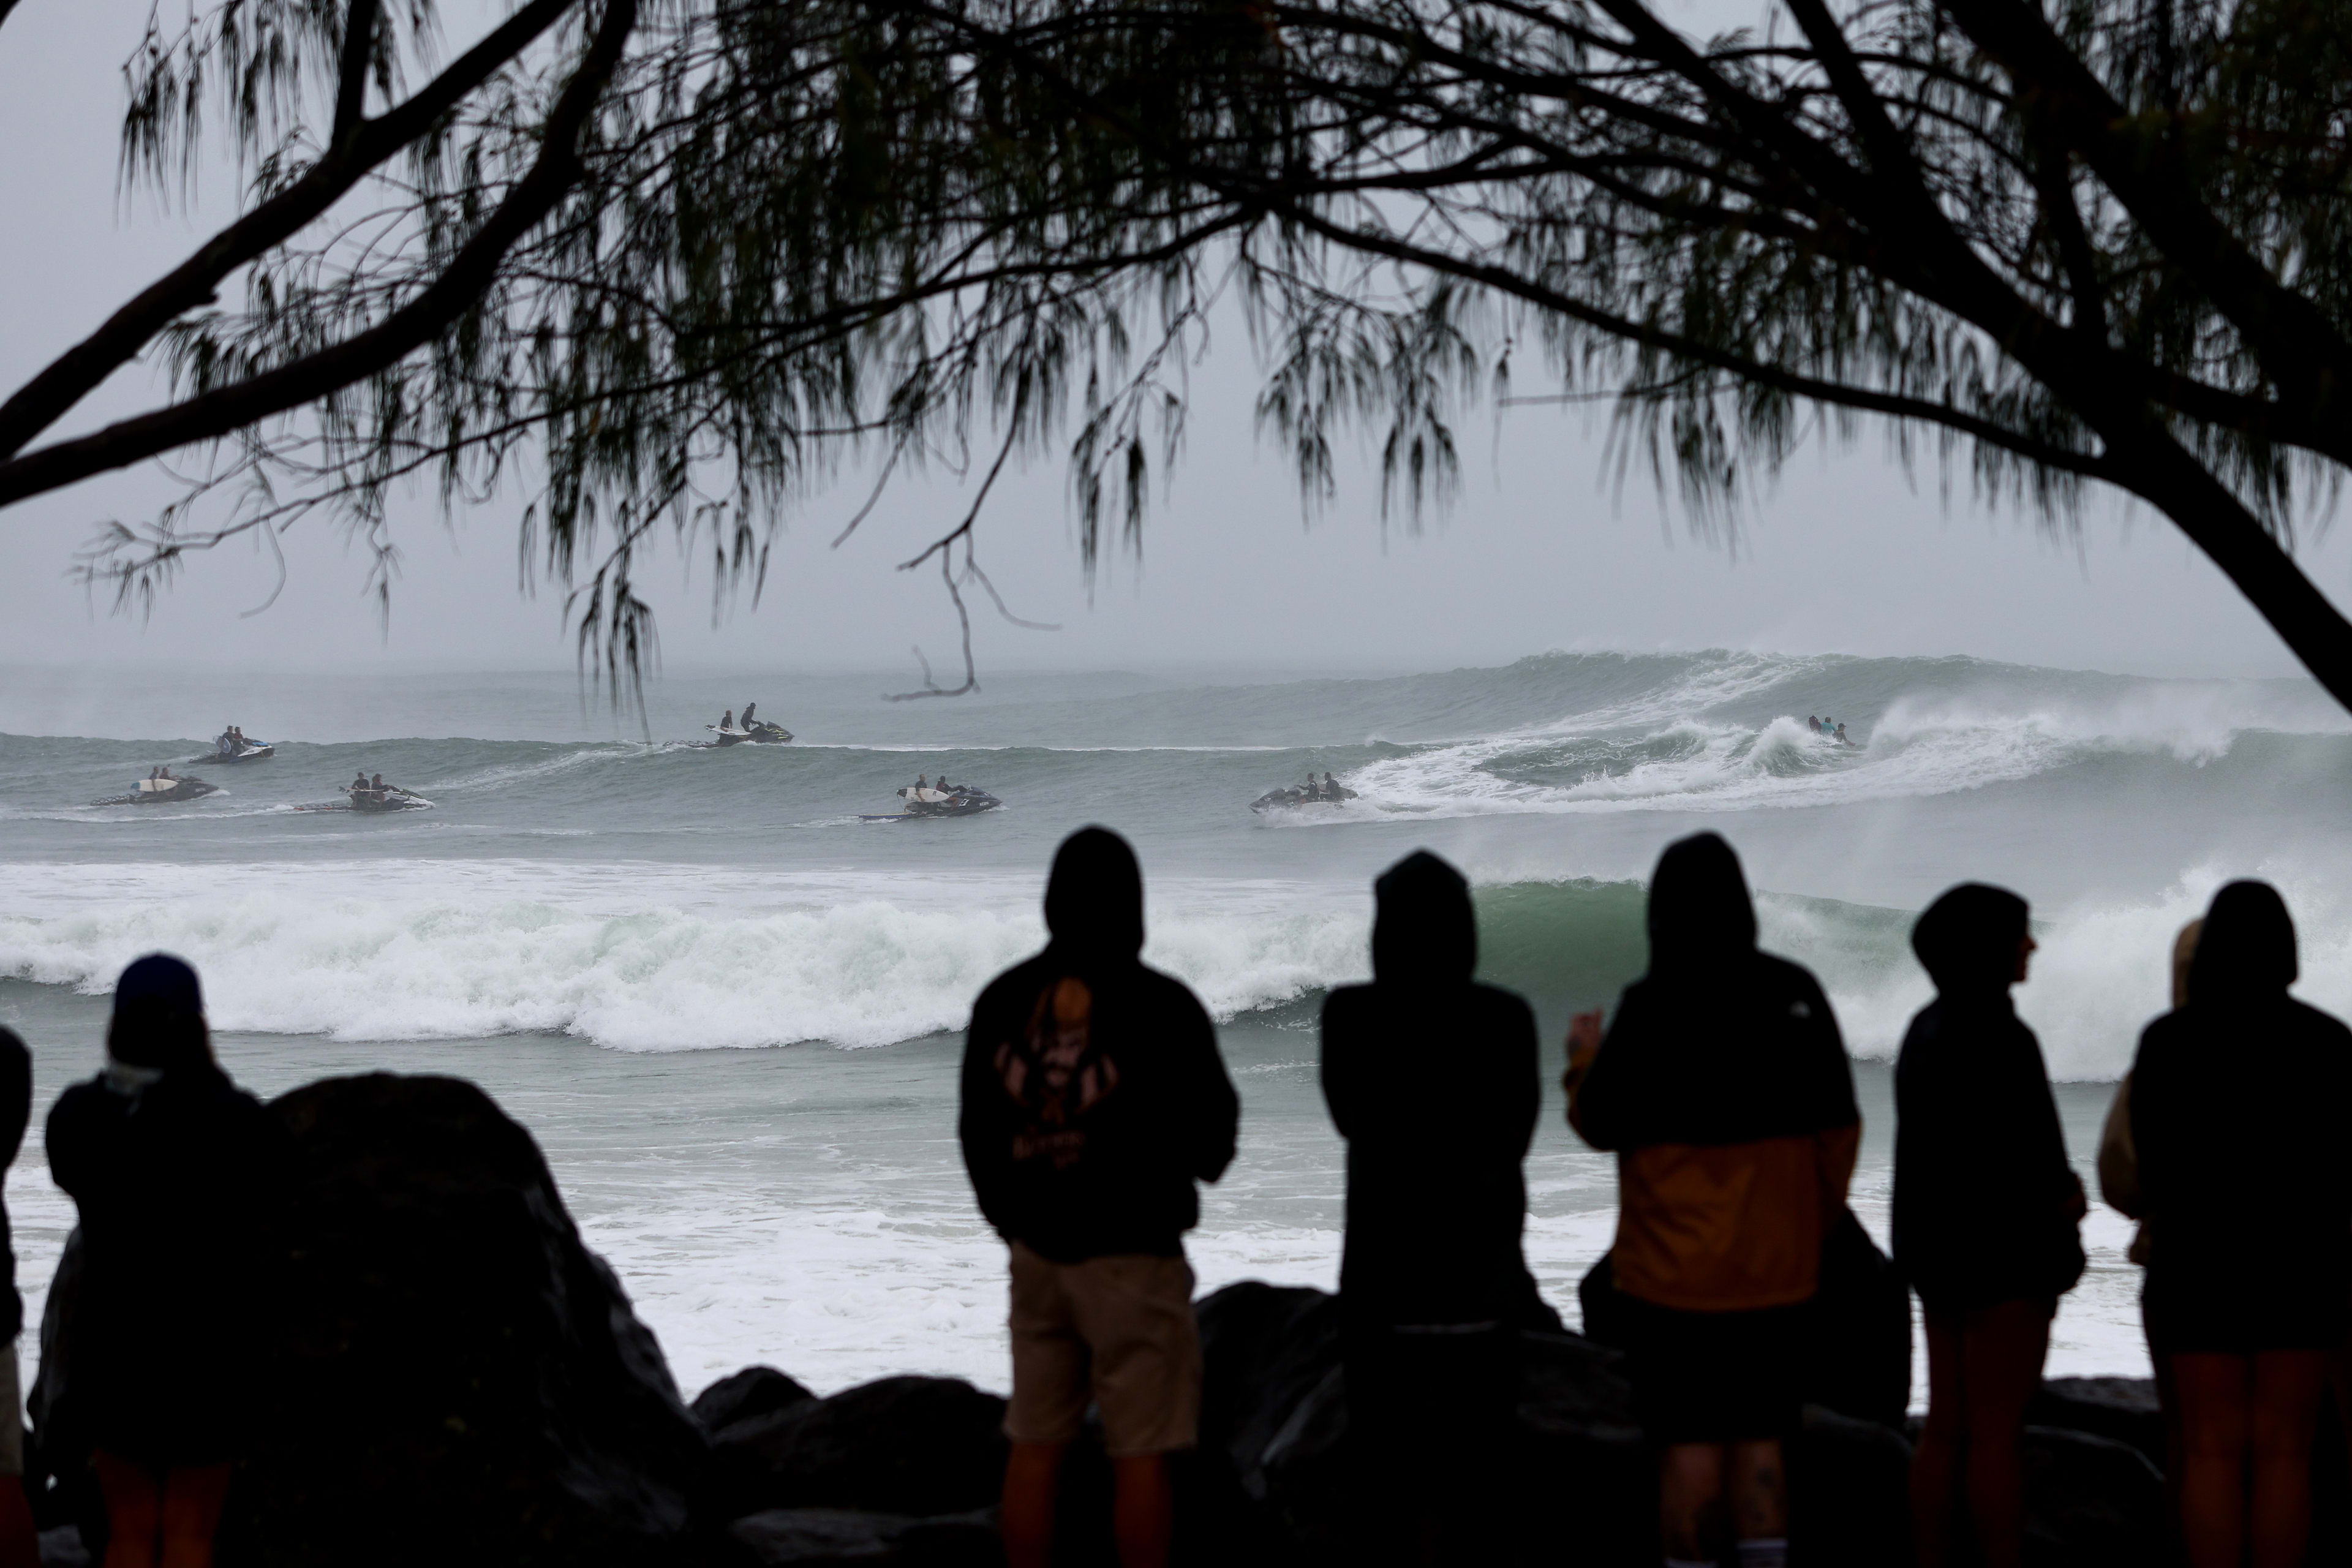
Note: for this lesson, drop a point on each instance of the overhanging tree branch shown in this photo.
(222, 412)
(361, 146)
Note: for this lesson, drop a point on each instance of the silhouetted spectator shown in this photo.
(19, 1547)
(2237, 1106)
(1433, 1080)
(171, 1167)
(1094, 1100)
(1986, 1215)
(1724, 1088)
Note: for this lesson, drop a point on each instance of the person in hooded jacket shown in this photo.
(1986, 1217)
(1093, 1100)
(2236, 1109)
(172, 1169)
(1433, 1282)
(20, 1544)
(1724, 1090)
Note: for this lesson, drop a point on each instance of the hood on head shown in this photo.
(1967, 938)
(161, 982)
(1423, 931)
(1094, 899)
(1699, 908)
(159, 1016)
(2247, 948)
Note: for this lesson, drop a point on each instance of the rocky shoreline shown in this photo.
(451, 1375)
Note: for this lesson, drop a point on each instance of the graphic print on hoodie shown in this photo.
(1093, 1096)
(1058, 1072)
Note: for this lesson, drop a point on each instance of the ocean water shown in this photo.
(727, 1007)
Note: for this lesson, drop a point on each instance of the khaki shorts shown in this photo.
(1118, 1328)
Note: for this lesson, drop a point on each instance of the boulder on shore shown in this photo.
(457, 1378)
(909, 1446)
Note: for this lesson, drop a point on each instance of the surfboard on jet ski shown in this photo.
(162, 791)
(923, 803)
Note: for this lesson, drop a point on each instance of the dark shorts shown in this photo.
(2230, 1317)
(1714, 1378)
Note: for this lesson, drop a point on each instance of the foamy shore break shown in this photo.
(452, 1376)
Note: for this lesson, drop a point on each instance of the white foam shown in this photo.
(1693, 760)
(638, 958)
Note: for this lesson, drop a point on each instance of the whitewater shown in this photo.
(727, 1006)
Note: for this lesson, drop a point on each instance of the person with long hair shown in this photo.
(171, 1167)
(1723, 1088)
(2236, 1109)
(1986, 1217)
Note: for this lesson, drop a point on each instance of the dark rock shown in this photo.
(1858, 1361)
(1849, 1492)
(2120, 1409)
(753, 1392)
(460, 1379)
(1275, 1417)
(2091, 1502)
(812, 1537)
(915, 1446)
(1265, 1348)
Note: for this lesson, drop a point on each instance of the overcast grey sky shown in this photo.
(1540, 552)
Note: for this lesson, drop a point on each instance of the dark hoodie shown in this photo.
(1093, 1094)
(2238, 1105)
(1432, 1079)
(1981, 1183)
(175, 1170)
(1724, 1088)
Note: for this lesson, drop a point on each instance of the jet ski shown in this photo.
(391, 797)
(963, 800)
(761, 733)
(1299, 795)
(160, 792)
(228, 749)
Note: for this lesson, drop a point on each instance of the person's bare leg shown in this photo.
(2215, 1391)
(1027, 1520)
(2006, 1347)
(1143, 1509)
(1936, 1462)
(194, 1496)
(134, 1512)
(2287, 1389)
(1759, 1490)
(1690, 1501)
